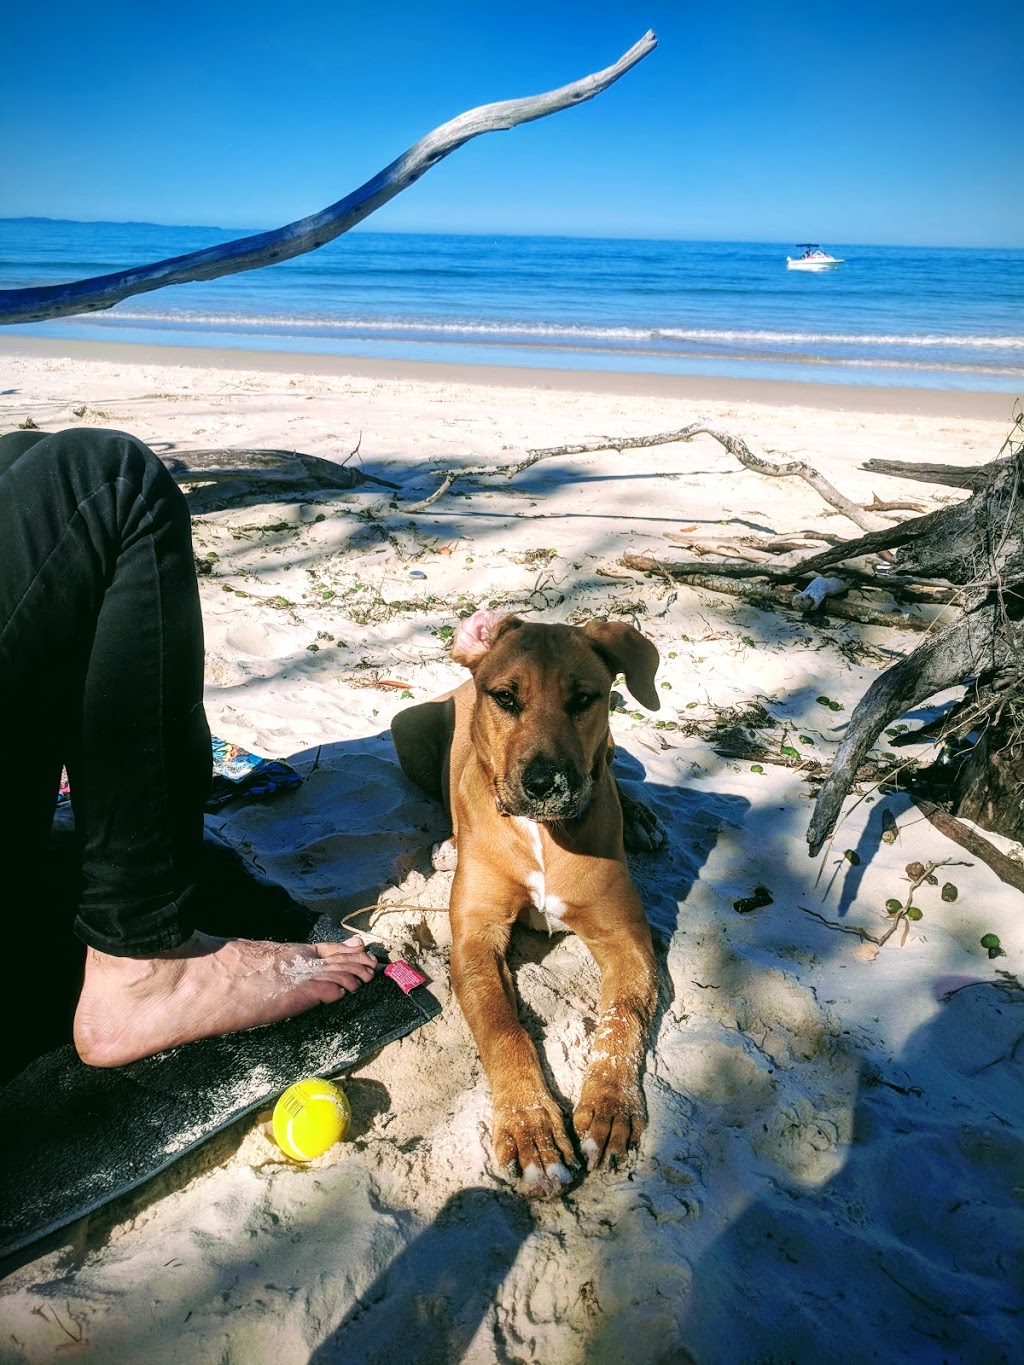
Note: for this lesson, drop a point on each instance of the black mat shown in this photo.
(74, 1137)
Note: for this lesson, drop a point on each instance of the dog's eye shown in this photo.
(508, 701)
(581, 703)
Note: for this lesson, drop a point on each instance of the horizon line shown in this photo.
(554, 236)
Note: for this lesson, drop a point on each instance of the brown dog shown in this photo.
(521, 755)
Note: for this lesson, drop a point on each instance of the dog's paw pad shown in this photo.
(444, 857)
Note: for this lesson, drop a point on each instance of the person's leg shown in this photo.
(101, 644)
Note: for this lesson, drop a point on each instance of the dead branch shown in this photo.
(1006, 869)
(267, 248)
(877, 505)
(949, 475)
(265, 465)
(761, 593)
(866, 520)
(972, 645)
(861, 517)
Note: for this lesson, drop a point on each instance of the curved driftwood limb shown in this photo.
(860, 516)
(975, 644)
(281, 244)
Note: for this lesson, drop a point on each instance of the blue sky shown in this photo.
(848, 122)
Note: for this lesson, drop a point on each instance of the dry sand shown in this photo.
(834, 1169)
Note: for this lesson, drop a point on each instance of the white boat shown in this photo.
(812, 259)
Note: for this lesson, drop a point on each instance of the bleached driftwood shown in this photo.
(267, 248)
(861, 517)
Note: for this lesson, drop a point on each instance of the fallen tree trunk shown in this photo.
(267, 248)
(265, 466)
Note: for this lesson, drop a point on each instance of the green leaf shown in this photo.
(789, 751)
(852, 856)
(893, 905)
(913, 912)
(756, 768)
(990, 941)
(806, 739)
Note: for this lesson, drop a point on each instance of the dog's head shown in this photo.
(540, 725)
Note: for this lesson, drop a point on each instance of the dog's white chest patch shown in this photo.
(544, 912)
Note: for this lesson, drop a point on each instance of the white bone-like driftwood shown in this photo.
(281, 244)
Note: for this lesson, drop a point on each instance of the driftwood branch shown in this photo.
(860, 516)
(1006, 869)
(265, 466)
(761, 593)
(949, 475)
(281, 244)
(975, 644)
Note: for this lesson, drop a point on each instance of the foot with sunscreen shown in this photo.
(131, 1007)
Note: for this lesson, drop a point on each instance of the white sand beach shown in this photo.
(834, 1165)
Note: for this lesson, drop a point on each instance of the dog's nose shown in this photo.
(542, 777)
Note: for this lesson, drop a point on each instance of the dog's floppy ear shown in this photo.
(625, 650)
(475, 635)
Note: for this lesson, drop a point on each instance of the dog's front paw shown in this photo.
(642, 831)
(530, 1142)
(609, 1119)
(444, 857)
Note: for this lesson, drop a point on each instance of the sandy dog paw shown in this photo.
(642, 831)
(530, 1142)
(444, 857)
(609, 1120)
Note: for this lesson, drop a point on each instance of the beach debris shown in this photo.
(759, 898)
(813, 595)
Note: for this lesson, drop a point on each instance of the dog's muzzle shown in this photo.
(545, 790)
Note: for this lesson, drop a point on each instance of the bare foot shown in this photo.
(131, 1007)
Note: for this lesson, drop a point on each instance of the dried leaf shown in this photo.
(949, 891)
(915, 871)
(890, 829)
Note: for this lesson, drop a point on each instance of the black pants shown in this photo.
(101, 669)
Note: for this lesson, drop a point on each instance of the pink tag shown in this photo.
(406, 978)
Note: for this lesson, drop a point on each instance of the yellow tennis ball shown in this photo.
(310, 1117)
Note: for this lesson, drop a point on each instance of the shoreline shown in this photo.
(954, 403)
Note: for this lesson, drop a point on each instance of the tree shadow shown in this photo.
(430, 1302)
(923, 1216)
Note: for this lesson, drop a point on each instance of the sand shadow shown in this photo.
(432, 1299)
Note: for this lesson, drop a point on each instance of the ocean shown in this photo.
(914, 316)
